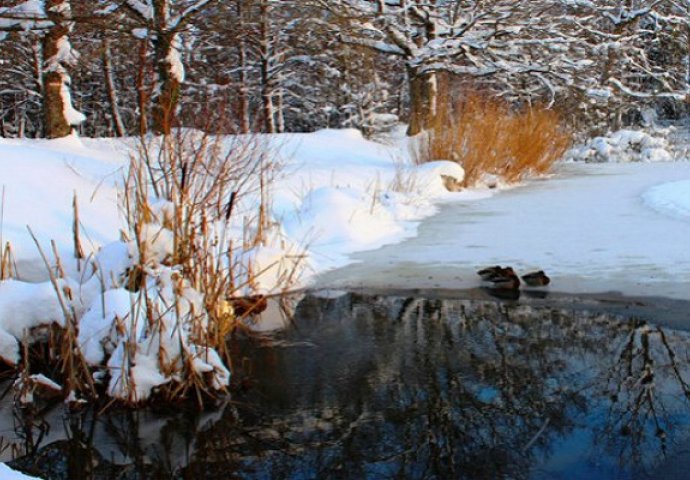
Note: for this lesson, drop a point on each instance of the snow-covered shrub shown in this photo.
(150, 314)
(439, 176)
(151, 332)
(486, 137)
(199, 228)
(623, 146)
(23, 308)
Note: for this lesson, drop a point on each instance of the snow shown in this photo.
(6, 473)
(671, 199)
(27, 387)
(600, 93)
(24, 306)
(342, 193)
(620, 224)
(338, 194)
(174, 59)
(624, 146)
(72, 115)
(28, 15)
(429, 176)
(65, 53)
(143, 9)
(592, 227)
(97, 335)
(140, 33)
(40, 178)
(335, 211)
(45, 381)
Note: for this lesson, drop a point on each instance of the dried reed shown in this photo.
(487, 136)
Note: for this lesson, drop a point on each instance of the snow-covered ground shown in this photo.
(39, 179)
(6, 473)
(610, 226)
(337, 193)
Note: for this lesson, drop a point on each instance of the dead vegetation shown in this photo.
(188, 274)
(489, 137)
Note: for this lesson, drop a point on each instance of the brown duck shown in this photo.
(505, 280)
(536, 279)
(487, 273)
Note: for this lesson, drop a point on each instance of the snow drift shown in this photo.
(624, 146)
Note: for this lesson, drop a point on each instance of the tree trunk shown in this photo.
(142, 94)
(280, 108)
(687, 63)
(37, 71)
(57, 103)
(111, 89)
(55, 123)
(168, 68)
(37, 64)
(267, 89)
(423, 100)
(243, 93)
(169, 83)
(269, 110)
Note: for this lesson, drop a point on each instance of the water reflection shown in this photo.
(404, 387)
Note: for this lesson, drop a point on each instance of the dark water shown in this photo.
(406, 387)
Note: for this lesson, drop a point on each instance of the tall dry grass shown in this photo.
(202, 178)
(212, 194)
(487, 136)
(8, 268)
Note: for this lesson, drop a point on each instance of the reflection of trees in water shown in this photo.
(72, 457)
(388, 387)
(644, 383)
(120, 445)
(448, 389)
(478, 399)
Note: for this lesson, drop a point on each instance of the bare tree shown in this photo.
(166, 20)
(501, 39)
(53, 18)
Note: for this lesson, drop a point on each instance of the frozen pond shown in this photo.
(592, 227)
(407, 385)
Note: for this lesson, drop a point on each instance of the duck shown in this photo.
(536, 279)
(507, 279)
(487, 273)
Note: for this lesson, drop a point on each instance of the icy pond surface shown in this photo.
(592, 227)
(407, 385)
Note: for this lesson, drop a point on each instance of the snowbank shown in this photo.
(6, 473)
(40, 179)
(342, 193)
(23, 307)
(339, 193)
(623, 146)
(671, 199)
(371, 188)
